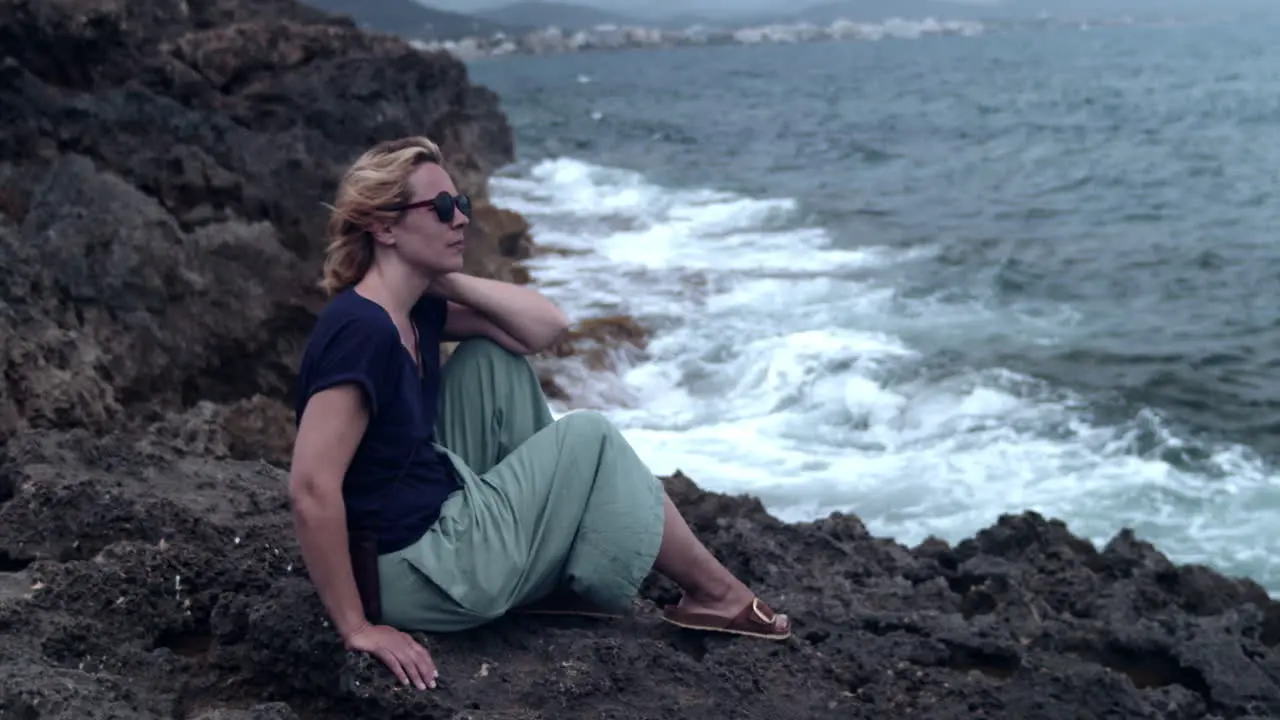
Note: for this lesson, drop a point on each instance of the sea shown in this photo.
(930, 279)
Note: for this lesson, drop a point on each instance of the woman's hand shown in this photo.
(518, 318)
(446, 286)
(410, 662)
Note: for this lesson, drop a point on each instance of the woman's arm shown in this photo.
(519, 318)
(332, 425)
(330, 431)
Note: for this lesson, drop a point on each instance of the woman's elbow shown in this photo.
(555, 330)
(560, 327)
(310, 494)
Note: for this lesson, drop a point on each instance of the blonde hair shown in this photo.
(377, 180)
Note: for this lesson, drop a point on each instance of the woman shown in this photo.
(451, 490)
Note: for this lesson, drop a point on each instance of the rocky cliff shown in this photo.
(162, 166)
(162, 169)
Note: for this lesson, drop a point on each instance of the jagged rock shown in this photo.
(161, 219)
(139, 581)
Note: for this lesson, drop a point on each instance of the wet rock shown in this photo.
(594, 348)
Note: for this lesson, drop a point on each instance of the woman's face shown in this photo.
(422, 239)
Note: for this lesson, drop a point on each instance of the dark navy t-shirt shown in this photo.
(355, 341)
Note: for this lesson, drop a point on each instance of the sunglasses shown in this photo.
(444, 204)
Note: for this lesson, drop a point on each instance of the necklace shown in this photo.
(417, 348)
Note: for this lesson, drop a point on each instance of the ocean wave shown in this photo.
(781, 365)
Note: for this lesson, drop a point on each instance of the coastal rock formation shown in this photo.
(141, 582)
(161, 169)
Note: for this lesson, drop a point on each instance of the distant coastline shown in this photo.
(553, 40)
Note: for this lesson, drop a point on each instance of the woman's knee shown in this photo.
(587, 425)
(483, 349)
(593, 437)
(476, 359)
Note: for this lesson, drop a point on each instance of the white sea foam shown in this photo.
(778, 367)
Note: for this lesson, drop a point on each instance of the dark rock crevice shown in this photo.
(192, 644)
(1270, 631)
(8, 483)
(995, 665)
(13, 563)
(1147, 669)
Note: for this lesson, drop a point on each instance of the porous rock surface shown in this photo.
(137, 581)
(161, 169)
(163, 166)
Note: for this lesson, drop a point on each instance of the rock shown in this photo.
(146, 582)
(264, 711)
(593, 347)
(504, 238)
(161, 217)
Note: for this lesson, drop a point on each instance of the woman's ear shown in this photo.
(383, 234)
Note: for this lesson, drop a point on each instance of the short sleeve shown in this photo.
(357, 351)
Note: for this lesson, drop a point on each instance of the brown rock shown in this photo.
(497, 240)
(592, 348)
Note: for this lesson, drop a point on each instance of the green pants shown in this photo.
(544, 505)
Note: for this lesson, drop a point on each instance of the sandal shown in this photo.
(565, 603)
(756, 620)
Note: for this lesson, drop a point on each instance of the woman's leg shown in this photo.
(585, 509)
(490, 403)
(506, 538)
(596, 512)
(713, 598)
(459, 573)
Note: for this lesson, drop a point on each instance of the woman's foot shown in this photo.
(738, 613)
